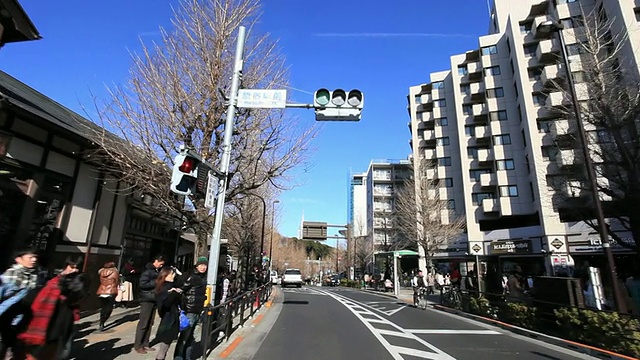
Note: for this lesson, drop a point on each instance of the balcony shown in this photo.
(566, 158)
(558, 99)
(488, 179)
(426, 124)
(482, 134)
(547, 51)
(485, 155)
(562, 127)
(478, 91)
(551, 73)
(490, 205)
(536, 22)
(430, 154)
(479, 109)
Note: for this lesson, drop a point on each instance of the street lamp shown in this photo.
(547, 28)
(273, 216)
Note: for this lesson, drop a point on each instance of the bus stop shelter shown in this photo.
(397, 254)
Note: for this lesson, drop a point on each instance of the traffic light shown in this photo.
(338, 105)
(185, 174)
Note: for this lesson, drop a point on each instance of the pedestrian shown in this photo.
(55, 310)
(147, 304)
(194, 296)
(21, 280)
(125, 290)
(71, 265)
(168, 300)
(222, 287)
(107, 291)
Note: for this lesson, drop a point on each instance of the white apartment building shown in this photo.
(372, 201)
(487, 127)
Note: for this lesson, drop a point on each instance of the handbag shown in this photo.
(183, 320)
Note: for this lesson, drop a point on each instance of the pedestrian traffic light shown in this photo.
(338, 105)
(185, 174)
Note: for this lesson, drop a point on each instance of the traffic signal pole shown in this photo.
(214, 252)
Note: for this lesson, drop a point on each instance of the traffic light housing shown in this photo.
(185, 174)
(338, 105)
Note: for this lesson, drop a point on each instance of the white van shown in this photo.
(275, 279)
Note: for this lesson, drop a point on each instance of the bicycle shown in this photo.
(420, 298)
(452, 298)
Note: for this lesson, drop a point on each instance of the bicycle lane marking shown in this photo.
(359, 309)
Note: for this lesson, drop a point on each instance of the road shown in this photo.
(342, 323)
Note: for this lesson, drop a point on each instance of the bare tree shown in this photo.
(173, 97)
(607, 86)
(289, 251)
(423, 214)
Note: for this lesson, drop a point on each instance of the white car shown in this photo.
(275, 279)
(292, 277)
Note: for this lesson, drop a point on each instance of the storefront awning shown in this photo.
(399, 253)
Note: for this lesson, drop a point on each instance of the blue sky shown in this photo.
(379, 47)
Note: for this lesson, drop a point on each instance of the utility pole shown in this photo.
(214, 251)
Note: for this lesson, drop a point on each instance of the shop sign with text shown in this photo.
(511, 247)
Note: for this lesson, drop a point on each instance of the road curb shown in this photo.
(578, 347)
(236, 338)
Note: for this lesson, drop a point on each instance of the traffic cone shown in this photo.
(257, 303)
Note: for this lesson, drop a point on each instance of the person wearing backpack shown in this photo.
(20, 279)
(194, 290)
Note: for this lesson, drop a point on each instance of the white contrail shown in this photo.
(382, 35)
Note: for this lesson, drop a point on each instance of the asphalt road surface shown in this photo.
(341, 323)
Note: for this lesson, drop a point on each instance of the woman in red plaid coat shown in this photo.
(55, 310)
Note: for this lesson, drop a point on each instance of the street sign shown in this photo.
(262, 98)
(314, 230)
(212, 191)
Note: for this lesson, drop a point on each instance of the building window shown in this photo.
(418, 99)
(439, 103)
(477, 198)
(509, 191)
(534, 73)
(519, 113)
(443, 141)
(470, 130)
(500, 115)
(451, 204)
(475, 173)
(579, 76)
(448, 182)
(574, 49)
(495, 93)
(467, 109)
(438, 85)
(419, 116)
(565, 1)
(515, 89)
(489, 50)
(530, 49)
(513, 71)
(504, 139)
(442, 121)
(472, 153)
(509, 45)
(524, 138)
(544, 126)
(526, 161)
(539, 99)
(465, 89)
(462, 70)
(506, 164)
(531, 190)
(550, 152)
(525, 28)
(492, 71)
(444, 161)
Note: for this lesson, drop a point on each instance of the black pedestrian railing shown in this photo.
(604, 329)
(220, 321)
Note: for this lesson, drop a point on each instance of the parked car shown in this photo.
(292, 277)
(275, 279)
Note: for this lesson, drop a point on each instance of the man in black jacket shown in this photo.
(147, 305)
(194, 296)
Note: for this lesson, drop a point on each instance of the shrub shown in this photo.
(481, 306)
(519, 314)
(607, 330)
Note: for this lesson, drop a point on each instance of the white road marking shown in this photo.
(429, 351)
(453, 332)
